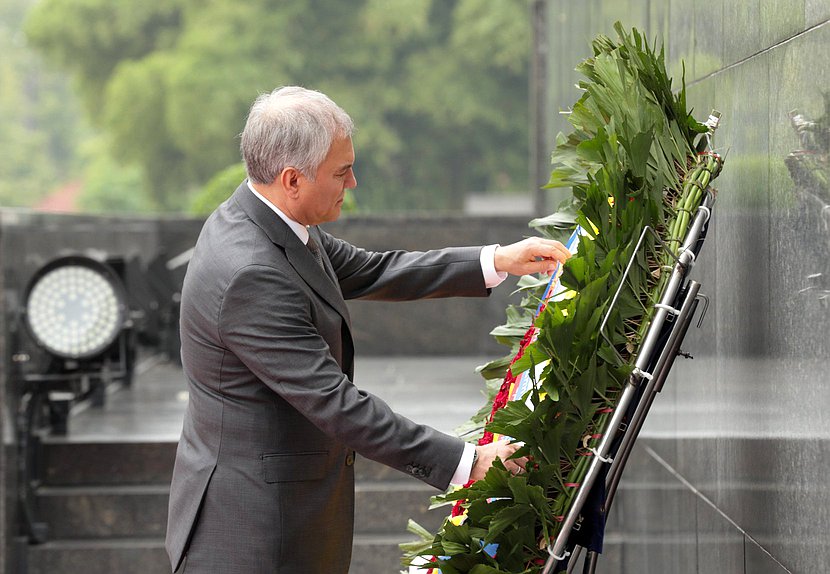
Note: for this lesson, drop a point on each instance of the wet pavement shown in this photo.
(442, 392)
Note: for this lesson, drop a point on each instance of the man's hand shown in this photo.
(531, 255)
(489, 452)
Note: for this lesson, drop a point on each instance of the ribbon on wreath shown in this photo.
(515, 386)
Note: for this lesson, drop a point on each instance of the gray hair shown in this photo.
(291, 127)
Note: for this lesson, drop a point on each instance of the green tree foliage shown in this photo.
(38, 123)
(92, 38)
(437, 88)
(110, 187)
(223, 184)
(218, 189)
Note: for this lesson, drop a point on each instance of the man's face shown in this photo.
(322, 199)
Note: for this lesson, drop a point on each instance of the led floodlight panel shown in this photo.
(75, 307)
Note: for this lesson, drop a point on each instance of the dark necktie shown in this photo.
(315, 251)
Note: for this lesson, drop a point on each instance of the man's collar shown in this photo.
(298, 228)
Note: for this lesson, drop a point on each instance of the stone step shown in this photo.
(124, 511)
(377, 553)
(87, 463)
(86, 512)
(65, 463)
(125, 556)
(371, 554)
(386, 506)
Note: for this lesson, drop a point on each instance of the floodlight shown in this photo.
(75, 307)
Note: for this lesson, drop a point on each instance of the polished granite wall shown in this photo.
(731, 472)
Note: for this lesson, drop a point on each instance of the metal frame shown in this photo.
(657, 352)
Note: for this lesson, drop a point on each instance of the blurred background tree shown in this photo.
(39, 124)
(438, 90)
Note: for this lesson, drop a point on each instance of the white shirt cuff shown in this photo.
(492, 278)
(465, 466)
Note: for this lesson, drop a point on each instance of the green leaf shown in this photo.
(639, 152)
(562, 220)
(452, 548)
(508, 331)
(506, 518)
(586, 384)
(495, 369)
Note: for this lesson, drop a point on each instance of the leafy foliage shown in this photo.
(809, 166)
(438, 88)
(110, 187)
(631, 161)
(39, 126)
(223, 184)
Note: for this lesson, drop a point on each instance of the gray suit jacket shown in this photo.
(263, 479)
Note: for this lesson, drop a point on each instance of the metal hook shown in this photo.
(705, 308)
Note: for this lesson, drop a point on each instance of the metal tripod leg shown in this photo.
(590, 563)
(655, 385)
(577, 552)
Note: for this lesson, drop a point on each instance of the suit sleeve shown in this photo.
(405, 275)
(267, 319)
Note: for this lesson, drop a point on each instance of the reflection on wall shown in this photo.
(810, 165)
(809, 168)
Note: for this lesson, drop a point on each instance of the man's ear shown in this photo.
(290, 181)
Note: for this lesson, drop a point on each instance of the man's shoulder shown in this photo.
(229, 241)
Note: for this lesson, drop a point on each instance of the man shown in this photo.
(263, 480)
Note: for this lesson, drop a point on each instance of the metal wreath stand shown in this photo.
(658, 350)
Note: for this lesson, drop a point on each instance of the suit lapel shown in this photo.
(321, 281)
(297, 253)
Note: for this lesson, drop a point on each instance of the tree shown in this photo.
(437, 88)
(39, 127)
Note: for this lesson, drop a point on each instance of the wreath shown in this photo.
(636, 158)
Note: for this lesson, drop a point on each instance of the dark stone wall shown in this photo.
(730, 473)
(432, 327)
(8, 482)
